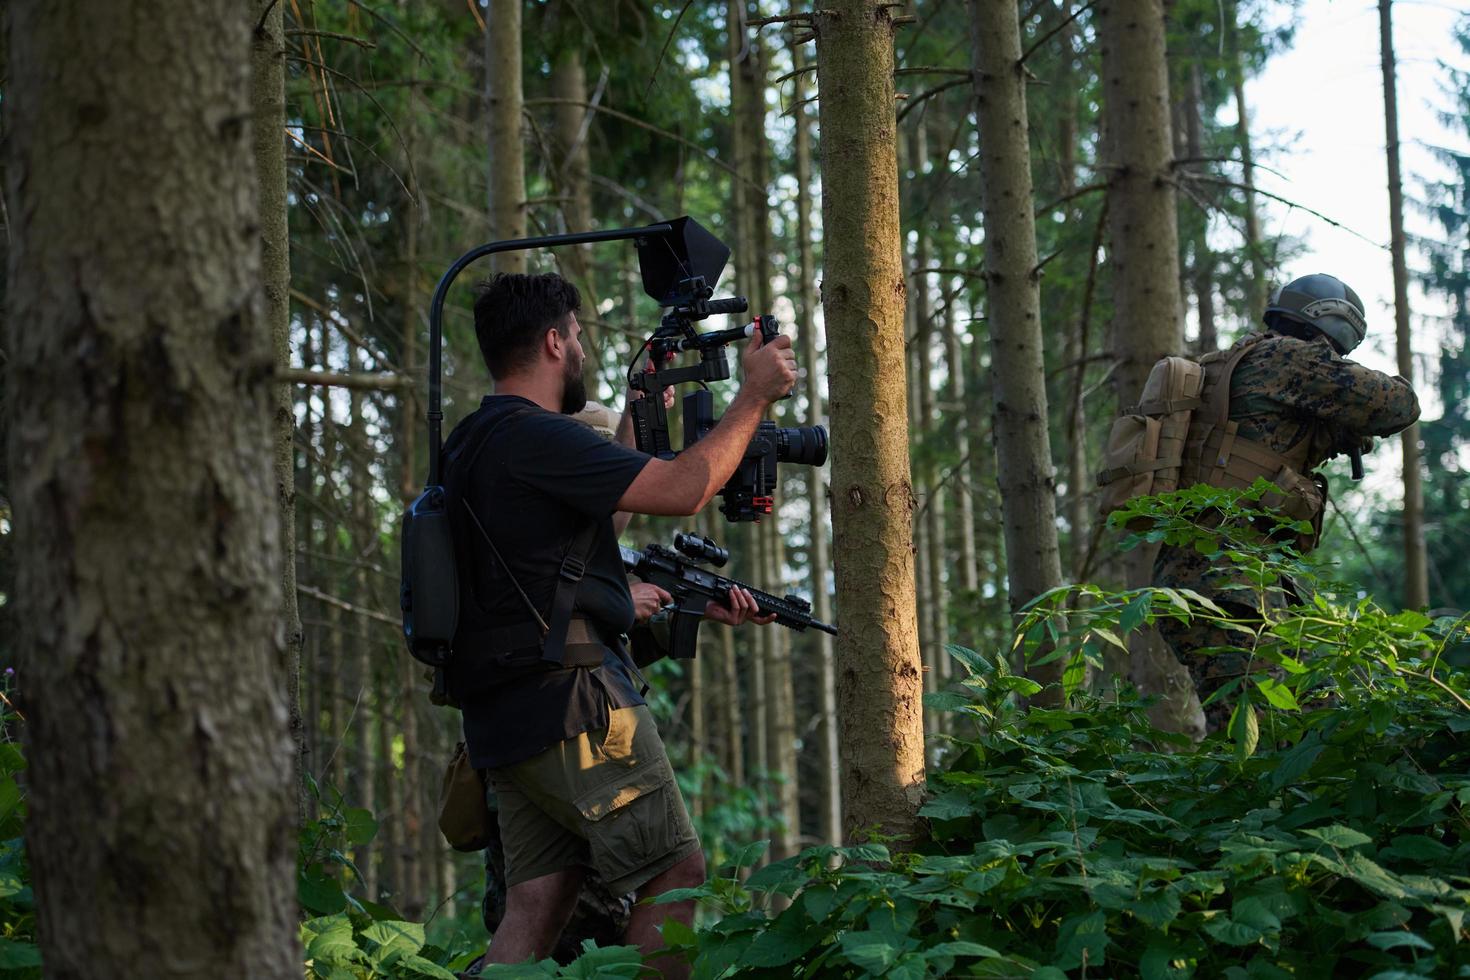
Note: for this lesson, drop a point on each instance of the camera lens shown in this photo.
(806, 445)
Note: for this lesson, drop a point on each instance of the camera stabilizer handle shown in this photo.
(435, 414)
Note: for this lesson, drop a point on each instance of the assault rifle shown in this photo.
(678, 573)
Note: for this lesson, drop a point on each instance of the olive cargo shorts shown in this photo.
(605, 799)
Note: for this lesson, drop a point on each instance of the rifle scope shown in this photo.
(701, 549)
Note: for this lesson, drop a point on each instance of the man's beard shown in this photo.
(574, 389)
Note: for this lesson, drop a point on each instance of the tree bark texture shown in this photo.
(268, 107)
(147, 541)
(879, 683)
(507, 153)
(806, 305)
(1416, 562)
(573, 167)
(1144, 255)
(1013, 303)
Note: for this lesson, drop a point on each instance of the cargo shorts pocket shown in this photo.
(634, 825)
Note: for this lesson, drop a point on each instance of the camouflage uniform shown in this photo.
(1283, 391)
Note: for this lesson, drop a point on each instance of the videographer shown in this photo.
(573, 756)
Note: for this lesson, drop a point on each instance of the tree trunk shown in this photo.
(574, 181)
(506, 158)
(268, 105)
(1013, 304)
(1202, 279)
(806, 305)
(1253, 245)
(1144, 254)
(879, 683)
(161, 833)
(1416, 564)
(783, 711)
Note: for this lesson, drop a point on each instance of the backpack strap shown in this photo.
(553, 631)
(568, 577)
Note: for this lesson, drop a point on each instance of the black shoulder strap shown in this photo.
(568, 577)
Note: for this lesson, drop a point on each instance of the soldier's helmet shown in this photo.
(1322, 303)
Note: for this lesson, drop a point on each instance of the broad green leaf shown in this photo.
(1339, 836)
(17, 955)
(419, 966)
(1086, 931)
(1163, 960)
(1296, 763)
(329, 940)
(1157, 908)
(318, 892)
(950, 805)
(872, 853)
(791, 935)
(1244, 729)
(1277, 694)
(395, 937)
(12, 759)
(958, 949)
(870, 951)
(359, 826)
(750, 853)
(1417, 847)
(599, 963)
(1395, 939)
(1233, 933)
(910, 966)
(1374, 877)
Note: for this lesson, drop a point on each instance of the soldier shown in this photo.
(1294, 400)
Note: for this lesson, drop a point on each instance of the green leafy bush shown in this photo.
(346, 937)
(1328, 834)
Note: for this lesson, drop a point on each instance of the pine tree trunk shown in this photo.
(147, 602)
(1144, 254)
(879, 683)
(1202, 279)
(1416, 563)
(1013, 304)
(574, 181)
(268, 105)
(507, 153)
(1254, 247)
(783, 712)
(806, 305)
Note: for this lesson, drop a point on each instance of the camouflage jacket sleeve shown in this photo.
(1310, 378)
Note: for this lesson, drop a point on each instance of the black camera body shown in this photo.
(677, 270)
(750, 493)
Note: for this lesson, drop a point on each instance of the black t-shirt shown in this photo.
(539, 479)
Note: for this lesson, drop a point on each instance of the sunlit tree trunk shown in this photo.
(1416, 565)
(1013, 303)
(1144, 254)
(879, 683)
(268, 104)
(506, 146)
(147, 597)
(806, 306)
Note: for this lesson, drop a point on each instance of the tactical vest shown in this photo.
(1181, 434)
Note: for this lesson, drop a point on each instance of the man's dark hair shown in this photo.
(513, 313)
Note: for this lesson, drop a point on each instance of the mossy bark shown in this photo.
(161, 834)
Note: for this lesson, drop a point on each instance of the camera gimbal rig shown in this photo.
(749, 494)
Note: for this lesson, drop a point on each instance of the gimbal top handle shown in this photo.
(435, 413)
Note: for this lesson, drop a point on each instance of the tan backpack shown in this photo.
(1145, 451)
(1180, 434)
